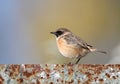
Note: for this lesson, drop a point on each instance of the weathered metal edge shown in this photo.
(59, 74)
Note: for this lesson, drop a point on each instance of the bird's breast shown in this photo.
(67, 50)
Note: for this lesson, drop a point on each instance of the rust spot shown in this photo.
(47, 70)
(11, 74)
(108, 75)
(89, 80)
(101, 80)
(100, 68)
(48, 76)
(96, 78)
(62, 72)
(114, 77)
(62, 81)
(57, 80)
(20, 80)
(97, 72)
(1, 80)
(86, 82)
(70, 71)
(88, 74)
(27, 74)
(113, 71)
(65, 82)
(78, 81)
(117, 76)
(62, 66)
(72, 81)
(69, 82)
(37, 81)
(41, 77)
(57, 67)
(51, 83)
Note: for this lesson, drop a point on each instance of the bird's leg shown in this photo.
(74, 59)
(78, 59)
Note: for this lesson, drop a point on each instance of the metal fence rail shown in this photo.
(59, 74)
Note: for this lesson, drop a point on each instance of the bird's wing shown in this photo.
(76, 41)
(82, 42)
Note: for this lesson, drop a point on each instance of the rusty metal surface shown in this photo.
(59, 74)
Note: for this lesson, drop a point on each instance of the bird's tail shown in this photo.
(96, 50)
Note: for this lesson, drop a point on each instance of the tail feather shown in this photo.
(104, 52)
(95, 50)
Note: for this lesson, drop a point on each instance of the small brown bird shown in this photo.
(72, 46)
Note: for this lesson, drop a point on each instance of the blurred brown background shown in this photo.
(25, 27)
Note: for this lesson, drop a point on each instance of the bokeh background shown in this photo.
(25, 27)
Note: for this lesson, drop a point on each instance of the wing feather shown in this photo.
(76, 41)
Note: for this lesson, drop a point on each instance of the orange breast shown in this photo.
(67, 50)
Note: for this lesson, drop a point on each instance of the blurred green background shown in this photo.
(25, 27)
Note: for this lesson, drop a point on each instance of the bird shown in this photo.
(72, 46)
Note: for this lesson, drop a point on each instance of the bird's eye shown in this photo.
(59, 32)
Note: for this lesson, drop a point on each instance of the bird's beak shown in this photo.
(53, 33)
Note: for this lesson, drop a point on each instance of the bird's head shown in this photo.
(61, 31)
